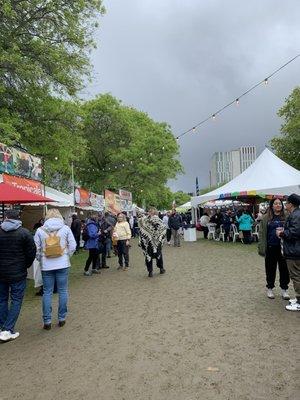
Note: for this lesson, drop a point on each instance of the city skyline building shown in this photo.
(226, 165)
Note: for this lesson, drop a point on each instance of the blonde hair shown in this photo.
(53, 213)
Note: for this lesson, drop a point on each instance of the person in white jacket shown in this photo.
(55, 245)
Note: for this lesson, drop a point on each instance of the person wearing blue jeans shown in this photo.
(17, 253)
(60, 276)
(55, 263)
(9, 315)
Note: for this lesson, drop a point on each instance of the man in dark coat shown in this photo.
(291, 247)
(17, 253)
(175, 223)
(76, 230)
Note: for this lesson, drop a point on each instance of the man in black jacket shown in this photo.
(76, 230)
(291, 247)
(17, 253)
(175, 224)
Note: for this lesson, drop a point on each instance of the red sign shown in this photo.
(23, 183)
(82, 197)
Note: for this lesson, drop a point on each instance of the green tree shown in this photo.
(181, 198)
(127, 149)
(44, 58)
(287, 146)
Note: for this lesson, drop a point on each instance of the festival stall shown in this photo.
(267, 177)
(86, 201)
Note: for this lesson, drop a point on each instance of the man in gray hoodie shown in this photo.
(17, 253)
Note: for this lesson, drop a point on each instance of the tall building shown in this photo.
(226, 165)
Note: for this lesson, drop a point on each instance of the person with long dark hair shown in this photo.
(269, 247)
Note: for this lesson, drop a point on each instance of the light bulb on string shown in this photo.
(214, 116)
(163, 147)
(194, 129)
(237, 101)
(266, 81)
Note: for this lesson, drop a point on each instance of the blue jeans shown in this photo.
(49, 278)
(9, 315)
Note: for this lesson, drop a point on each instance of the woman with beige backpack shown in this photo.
(55, 245)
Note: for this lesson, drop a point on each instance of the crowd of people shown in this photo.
(54, 243)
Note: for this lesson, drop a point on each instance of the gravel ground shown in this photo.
(204, 330)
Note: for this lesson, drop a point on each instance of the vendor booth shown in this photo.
(267, 177)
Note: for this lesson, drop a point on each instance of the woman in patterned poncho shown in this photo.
(152, 235)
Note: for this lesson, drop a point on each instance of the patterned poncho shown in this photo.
(152, 235)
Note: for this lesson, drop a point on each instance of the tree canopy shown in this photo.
(287, 145)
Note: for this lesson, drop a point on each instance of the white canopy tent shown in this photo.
(267, 176)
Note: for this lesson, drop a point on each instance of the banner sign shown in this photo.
(126, 200)
(20, 163)
(97, 201)
(112, 202)
(23, 183)
(84, 198)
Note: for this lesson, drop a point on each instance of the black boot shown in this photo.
(162, 270)
(150, 274)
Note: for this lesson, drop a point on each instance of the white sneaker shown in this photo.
(293, 307)
(285, 295)
(5, 336)
(293, 301)
(270, 294)
(87, 273)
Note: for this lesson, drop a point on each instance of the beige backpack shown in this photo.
(53, 247)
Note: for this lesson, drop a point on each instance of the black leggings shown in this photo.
(123, 252)
(93, 258)
(159, 263)
(274, 257)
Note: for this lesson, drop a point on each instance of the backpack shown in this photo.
(85, 234)
(53, 247)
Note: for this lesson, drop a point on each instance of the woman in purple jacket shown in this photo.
(92, 244)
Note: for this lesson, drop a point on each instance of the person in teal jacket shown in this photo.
(245, 225)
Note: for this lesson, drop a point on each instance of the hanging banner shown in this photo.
(126, 200)
(97, 201)
(82, 197)
(20, 163)
(112, 202)
(23, 183)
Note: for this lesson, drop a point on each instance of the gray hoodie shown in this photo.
(11, 225)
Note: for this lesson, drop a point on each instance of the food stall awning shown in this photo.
(11, 195)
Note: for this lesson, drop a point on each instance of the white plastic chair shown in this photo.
(222, 233)
(234, 232)
(255, 234)
(211, 231)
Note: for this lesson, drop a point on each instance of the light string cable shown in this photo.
(237, 99)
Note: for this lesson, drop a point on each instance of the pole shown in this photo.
(73, 184)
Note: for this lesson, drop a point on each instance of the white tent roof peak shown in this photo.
(268, 175)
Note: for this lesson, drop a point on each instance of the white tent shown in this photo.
(267, 176)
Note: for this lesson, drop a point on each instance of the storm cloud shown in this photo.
(180, 61)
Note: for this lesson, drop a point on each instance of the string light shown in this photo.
(194, 129)
(265, 81)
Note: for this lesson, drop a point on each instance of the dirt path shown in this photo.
(205, 330)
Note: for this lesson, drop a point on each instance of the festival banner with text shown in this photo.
(112, 202)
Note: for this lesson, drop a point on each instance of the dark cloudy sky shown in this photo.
(181, 60)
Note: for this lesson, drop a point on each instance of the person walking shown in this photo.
(55, 245)
(165, 221)
(104, 240)
(76, 230)
(17, 253)
(152, 236)
(122, 233)
(174, 225)
(245, 225)
(270, 248)
(291, 247)
(91, 238)
(204, 221)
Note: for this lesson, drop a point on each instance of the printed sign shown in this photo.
(112, 202)
(20, 163)
(126, 200)
(97, 201)
(23, 183)
(82, 197)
